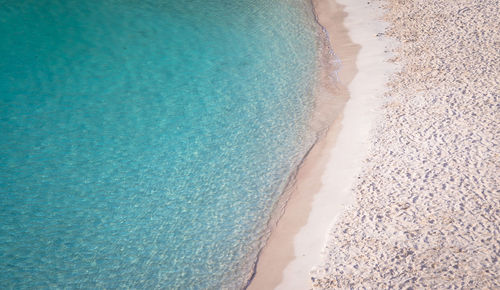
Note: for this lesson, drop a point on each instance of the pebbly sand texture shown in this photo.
(427, 211)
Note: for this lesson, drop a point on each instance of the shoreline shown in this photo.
(295, 243)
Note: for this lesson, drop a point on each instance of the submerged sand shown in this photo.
(427, 210)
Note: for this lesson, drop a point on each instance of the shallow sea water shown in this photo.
(144, 143)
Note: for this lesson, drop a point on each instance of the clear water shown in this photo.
(144, 143)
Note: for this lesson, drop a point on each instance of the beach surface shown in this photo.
(427, 202)
(348, 105)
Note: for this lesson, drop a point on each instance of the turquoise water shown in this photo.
(144, 143)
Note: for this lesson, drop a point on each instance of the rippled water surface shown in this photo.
(144, 143)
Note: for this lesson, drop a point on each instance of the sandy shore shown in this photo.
(279, 250)
(321, 190)
(427, 210)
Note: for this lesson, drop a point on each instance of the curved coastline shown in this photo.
(362, 112)
(323, 184)
(331, 94)
(330, 97)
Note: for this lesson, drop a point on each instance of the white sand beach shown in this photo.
(404, 188)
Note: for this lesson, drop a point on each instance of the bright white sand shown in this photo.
(427, 210)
